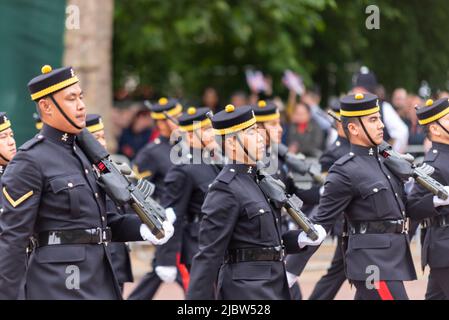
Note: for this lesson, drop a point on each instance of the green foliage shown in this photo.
(180, 47)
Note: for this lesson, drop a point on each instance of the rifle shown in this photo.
(421, 174)
(274, 190)
(296, 163)
(120, 188)
(402, 165)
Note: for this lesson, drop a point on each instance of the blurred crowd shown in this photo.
(307, 128)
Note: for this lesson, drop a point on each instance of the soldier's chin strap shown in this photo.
(64, 114)
(366, 132)
(244, 149)
(4, 159)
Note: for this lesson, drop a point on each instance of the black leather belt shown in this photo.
(254, 254)
(380, 226)
(438, 221)
(75, 236)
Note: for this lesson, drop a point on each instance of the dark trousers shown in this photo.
(438, 284)
(149, 284)
(387, 290)
(295, 292)
(327, 287)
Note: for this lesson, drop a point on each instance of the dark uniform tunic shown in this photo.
(186, 186)
(435, 240)
(50, 186)
(153, 162)
(362, 187)
(237, 215)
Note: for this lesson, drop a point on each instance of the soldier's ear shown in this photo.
(353, 129)
(434, 130)
(45, 106)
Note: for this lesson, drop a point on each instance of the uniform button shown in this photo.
(434, 150)
(208, 186)
(96, 195)
(74, 148)
(375, 189)
(40, 136)
(396, 195)
(70, 185)
(388, 177)
(351, 153)
(403, 212)
(277, 220)
(86, 171)
(102, 218)
(232, 170)
(261, 210)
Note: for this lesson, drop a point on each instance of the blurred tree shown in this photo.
(180, 47)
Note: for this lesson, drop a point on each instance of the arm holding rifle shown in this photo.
(117, 184)
(297, 163)
(274, 190)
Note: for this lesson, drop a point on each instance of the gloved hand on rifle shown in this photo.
(304, 240)
(401, 168)
(440, 202)
(147, 235)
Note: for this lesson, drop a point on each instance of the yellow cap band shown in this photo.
(360, 113)
(268, 117)
(95, 127)
(236, 128)
(434, 117)
(54, 88)
(172, 112)
(5, 125)
(195, 125)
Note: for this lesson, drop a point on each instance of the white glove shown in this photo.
(304, 240)
(171, 215)
(321, 190)
(147, 235)
(440, 202)
(166, 273)
(291, 278)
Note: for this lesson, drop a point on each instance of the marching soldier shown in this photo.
(186, 186)
(50, 194)
(268, 121)
(119, 251)
(7, 145)
(434, 117)
(152, 163)
(241, 245)
(327, 287)
(378, 257)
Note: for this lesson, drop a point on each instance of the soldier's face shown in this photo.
(7, 145)
(100, 136)
(375, 128)
(208, 137)
(254, 142)
(71, 102)
(272, 130)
